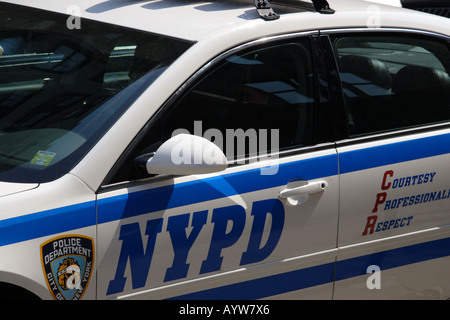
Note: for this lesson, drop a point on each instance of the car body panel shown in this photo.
(224, 196)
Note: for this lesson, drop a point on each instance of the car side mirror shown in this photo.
(185, 154)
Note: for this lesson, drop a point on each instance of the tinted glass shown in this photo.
(393, 81)
(62, 88)
(254, 103)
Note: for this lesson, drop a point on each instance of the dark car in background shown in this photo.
(438, 7)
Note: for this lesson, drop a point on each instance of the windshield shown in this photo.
(61, 88)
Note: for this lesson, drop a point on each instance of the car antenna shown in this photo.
(322, 6)
(265, 10)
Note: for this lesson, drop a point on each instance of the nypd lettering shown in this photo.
(67, 263)
(228, 226)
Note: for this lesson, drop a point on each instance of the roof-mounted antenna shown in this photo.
(266, 12)
(322, 6)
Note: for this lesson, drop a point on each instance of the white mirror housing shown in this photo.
(186, 154)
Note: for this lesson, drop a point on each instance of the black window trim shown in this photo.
(401, 132)
(319, 70)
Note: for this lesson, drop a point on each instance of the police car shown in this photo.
(178, 149)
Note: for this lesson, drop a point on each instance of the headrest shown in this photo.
(369, 69)
(417, 78)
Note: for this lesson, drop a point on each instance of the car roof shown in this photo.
(196, 20)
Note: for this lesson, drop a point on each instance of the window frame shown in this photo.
(399, 132)
(321, 88)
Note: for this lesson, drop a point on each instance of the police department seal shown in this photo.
(67, 262)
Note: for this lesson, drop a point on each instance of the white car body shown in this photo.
(396, 3)
(324, 248)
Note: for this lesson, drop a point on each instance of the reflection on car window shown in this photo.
(270, 88)
(393, 82)
(254, 95)
(12, 45)
(57, 85)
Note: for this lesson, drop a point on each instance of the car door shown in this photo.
(230, 234)
(394, 168)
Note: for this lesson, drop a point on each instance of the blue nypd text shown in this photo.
(140, 259)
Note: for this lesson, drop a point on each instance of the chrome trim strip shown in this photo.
(386, 29)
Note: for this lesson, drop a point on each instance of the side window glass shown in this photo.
(393, 82)
(261, 94)
(267, 89)
(61, 91)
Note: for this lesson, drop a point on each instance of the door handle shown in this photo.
(310, 188)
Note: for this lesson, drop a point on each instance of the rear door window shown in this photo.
(393, 82)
